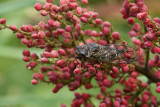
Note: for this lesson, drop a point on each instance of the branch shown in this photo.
(147, 58)
(149, 73)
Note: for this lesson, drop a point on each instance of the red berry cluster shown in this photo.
(69, 25)
(147, 39)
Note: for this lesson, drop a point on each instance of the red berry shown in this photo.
(106, 24)
(77, 71)
(132, 34)
(62, 2)
(79, 10)
(56, 24)
(38, 6)
(145, 98)
(34, 56)
(148, 43)
(19, 35)
(13, 27)
(98, 21)
(116, 104)
(125, 68)
(86, 15)
(103, 89)
(88, 86)
(147, 21)
(144, 105)
(60, 63)
(115, 69)
(34, 36)
(142, 16)
(88, 32)
(102, 105)
(101, 34)
(78, 27)
(26, 59)
(107, 82)
(131, 80)
(84, 1)
(33, 64)
(47, 6)
(54, 54)
(83, 19)
(44, 60)
(157, 50)
(157, 74)
(130, 20)
(140, 4)
(72, 5)
(134, 74)
(73, 0)
(136, 41)
(24, 41)
(63, 105)
(144, 85)
(26, 53)
(23, 27)
(75, 19)
(47, 54)
(158, 84)
(134, 8)
(54, 7)
(158, 64)
(41, 34)
(43, 13)
(69, 14)
(91, 69)
(68, 28)
(49, 1)
(158, 89)
(62, 52)
(105, 30)
(38, 76)
(67, 35)
(137, 27)
(102, 42)
(2, 21)
(99, 74)
(115, 35)
(156, 59)
(29, 28)
(48, 34)
(86, 74)
(154, 100)
(34, 82)
(151, 63)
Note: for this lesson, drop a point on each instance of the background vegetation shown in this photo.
(15, 87)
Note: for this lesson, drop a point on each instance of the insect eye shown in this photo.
(77, 50)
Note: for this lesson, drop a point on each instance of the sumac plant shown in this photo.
(64, 35)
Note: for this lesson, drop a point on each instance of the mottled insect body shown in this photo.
(93, 51)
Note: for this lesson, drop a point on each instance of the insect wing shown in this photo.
(112, 53)
(105, 53)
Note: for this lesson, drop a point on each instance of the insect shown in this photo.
(103, 53)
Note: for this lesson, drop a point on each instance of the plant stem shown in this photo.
(147, 58)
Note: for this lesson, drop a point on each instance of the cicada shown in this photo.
(106, 53)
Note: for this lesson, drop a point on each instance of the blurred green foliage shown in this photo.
(16, 90)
